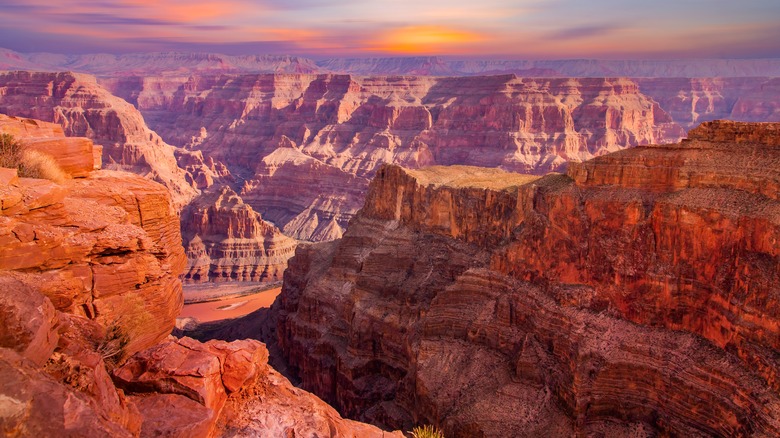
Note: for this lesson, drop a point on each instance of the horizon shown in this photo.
(455, 29)
(318, 58)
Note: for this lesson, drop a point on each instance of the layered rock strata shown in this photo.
(89, 275)
(226, 240)
(87, 242)
(326, 135)
(691, 101)
(635, 295)
(85, 109)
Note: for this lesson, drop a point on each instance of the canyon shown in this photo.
(289, 145)
(89, 291)
(634, 295)
(306, 146)
(171, 63)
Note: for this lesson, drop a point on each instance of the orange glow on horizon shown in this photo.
(415, 40)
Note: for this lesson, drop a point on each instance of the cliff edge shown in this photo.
(635, 295)
(89, 292)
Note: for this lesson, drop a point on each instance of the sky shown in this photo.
(509, 29)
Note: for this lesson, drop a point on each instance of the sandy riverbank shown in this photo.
(231, 307)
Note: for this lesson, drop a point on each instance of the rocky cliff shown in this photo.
(88, 241)
(85, 109)
(691, 101)
(89, 291)
(226, 240)
(326, 135)
(634, 295)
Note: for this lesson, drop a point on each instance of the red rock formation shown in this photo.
(691, 101)
(85, 109)
(632, 296)
(326, 135)
(227, 241)
(88, 276)
(86, 243)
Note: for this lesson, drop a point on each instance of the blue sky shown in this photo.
(485, 28)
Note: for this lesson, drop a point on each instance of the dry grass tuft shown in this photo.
(29, 162)
(427, 431)
(36, 164)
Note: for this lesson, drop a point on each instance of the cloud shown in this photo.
(583, 32)
(499, 28)
(99, 19)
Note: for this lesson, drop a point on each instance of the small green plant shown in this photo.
(29, 162)
(427, 431)
(112, 347)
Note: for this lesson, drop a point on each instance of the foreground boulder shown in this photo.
(89, 292)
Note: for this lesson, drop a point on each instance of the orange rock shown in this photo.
(27, 321)
(8, 177)
(173, 415)
(106, 247)
(34, 404)
(85, 109)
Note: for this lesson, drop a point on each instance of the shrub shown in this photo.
(427, 431)
(29, 162)
(36, 164)
(10, 151)
(112, 347)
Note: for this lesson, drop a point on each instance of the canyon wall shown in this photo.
(326, 135)
(634, 295)
(172, 63)
(305, 146)
(300, 149)
(85, 109)
(89, 291)
(226, 240)
(691, 101)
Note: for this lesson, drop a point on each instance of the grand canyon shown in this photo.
(361, 244)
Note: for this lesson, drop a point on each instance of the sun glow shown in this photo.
(425, 39)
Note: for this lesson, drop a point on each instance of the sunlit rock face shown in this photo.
(89, 291)
(226, 240)
(305, 146)
(104, 245)
(633, 295)
(85, 109)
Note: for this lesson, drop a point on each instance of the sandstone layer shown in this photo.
(89, 287)
(634, 295)
(306, 146)
(226, 240)
(86, 243)
(85, 109)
